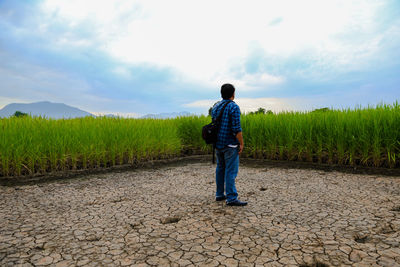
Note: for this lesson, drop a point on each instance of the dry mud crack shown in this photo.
(168, 217)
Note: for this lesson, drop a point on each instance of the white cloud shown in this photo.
(250, 82)
(200, 103)
(123, 72)
(203, 39)
(24, 82)
(8, 100)
(252, 104)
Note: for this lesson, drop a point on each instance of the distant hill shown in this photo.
(44, 108)
(110, 116)
(166, 115)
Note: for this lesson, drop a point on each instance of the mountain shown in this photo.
(166, 115)
(46, 109)
(110, 116)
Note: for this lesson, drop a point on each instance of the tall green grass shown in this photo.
(37, 145)
(368, 137)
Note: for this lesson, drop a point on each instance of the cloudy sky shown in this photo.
(148, 56)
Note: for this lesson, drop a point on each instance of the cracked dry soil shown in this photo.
(168, 217)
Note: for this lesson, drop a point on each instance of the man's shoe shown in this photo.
(237, 202)
(220, 198)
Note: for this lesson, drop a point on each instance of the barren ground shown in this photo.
(167, 216)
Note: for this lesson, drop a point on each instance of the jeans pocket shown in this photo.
(231, 152)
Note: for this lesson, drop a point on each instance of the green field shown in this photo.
(367, 137)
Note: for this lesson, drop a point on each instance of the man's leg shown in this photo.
(231, 171)
(220, 174)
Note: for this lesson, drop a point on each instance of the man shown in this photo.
(229, 146)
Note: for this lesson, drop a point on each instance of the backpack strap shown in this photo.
(218, 119)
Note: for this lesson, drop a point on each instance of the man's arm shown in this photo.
(236, 127)
(239, 137)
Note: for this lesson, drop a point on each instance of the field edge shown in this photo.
(178, 161)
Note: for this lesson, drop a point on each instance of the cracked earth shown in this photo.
(168, 217)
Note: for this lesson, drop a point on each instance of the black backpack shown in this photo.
(210, 131)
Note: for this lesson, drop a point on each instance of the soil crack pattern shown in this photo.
(169, 217)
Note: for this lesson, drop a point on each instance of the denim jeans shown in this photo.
(226, 172)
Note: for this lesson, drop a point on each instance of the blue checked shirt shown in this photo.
(229, 124)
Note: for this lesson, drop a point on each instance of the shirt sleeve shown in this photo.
(236, 126)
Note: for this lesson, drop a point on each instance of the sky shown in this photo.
(133, 58)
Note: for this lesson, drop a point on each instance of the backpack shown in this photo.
(210, 131)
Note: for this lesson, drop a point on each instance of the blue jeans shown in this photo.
(227, 170)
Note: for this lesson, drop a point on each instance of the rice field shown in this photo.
(367, 137)
(37, 145)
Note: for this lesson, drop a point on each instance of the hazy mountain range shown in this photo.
(166, 115)
(44, 108)
(59, 110)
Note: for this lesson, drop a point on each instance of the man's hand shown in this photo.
(239, 137)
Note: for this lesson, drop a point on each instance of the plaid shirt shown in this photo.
(229, 124)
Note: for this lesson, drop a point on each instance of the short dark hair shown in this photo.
(227, 90)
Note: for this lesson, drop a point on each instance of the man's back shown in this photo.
(229, 124)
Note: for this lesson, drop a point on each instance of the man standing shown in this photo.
(229, 146)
